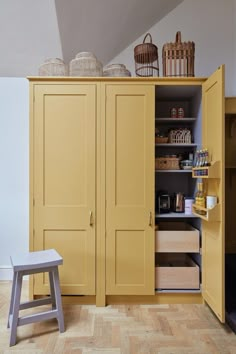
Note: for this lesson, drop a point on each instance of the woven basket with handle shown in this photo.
(178, 58)
(146, 58)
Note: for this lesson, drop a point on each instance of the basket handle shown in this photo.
(148, 34)
(178, 37)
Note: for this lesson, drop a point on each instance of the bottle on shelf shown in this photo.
(200, 199)
(202, 160)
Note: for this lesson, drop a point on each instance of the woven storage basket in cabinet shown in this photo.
(178, 58)
(146, 58)
(167, 163)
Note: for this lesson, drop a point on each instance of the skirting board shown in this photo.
(6, 273)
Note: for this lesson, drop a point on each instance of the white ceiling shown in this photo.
(106, 27)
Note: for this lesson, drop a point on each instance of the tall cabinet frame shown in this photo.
(121, 217)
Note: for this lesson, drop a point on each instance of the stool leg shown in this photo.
(12, 298)
(16, 308)
(60, 316)
(52, 290)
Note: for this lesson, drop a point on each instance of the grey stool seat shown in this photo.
(32, 263)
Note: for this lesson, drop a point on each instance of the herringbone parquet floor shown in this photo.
(120, 329)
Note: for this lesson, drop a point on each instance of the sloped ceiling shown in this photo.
(106, 27)
(32, 31)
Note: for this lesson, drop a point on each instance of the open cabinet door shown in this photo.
(213, 231)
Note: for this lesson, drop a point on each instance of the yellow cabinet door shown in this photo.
(130, 192)
(64, 164)
(213, 233)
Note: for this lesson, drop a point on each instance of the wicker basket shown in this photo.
(178, 58)
(85, 64)
(161, 139)
(146, 58)
(167, 163)
(180, 136)
(53, 67)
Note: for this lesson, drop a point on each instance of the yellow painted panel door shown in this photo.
(130, 189)
(213, 233)
(64, 182)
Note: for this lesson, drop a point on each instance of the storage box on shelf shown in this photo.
(176, 271)
(167, 163)
(176, 237)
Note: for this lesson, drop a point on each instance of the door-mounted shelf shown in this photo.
(212, 171)
(207, 214)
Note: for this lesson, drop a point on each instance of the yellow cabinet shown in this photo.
(63, 181)
(129, 189)
(202, 101)
(92, 185)
(93, 182)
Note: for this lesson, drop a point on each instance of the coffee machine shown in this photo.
(163, 202)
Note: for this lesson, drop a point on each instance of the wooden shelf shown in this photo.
(173, 171)
(210, 214)
(177, 145)
(176, 215)
(212, 171)
(173, 120)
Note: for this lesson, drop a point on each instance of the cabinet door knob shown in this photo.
(150, 219)
(91, 218)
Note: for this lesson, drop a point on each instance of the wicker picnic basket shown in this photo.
(178, 58)
(146, 58)
(167, 163)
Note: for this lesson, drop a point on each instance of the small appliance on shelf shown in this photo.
(163, 202)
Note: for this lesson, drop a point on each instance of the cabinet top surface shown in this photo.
(178, 80)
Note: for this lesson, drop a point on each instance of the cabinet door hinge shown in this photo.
(33, 202)
(33, 232)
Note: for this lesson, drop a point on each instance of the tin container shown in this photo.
(173, 112)
(180, 112)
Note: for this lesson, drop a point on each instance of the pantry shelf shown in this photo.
(177, 145)
(209, 214)
(212, 171)
(173, 120)
(174, 171)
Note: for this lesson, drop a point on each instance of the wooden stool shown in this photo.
(31, 263)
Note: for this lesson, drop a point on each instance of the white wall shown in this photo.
(28, 35)
(14, 176)
(210, 24)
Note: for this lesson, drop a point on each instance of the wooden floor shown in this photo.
(120, 329)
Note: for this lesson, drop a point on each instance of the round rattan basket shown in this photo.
(116, 70)
(53, 67)
(85, 64)
(146, 58)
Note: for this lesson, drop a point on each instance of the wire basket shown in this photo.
(178, 58)
(146, 58)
